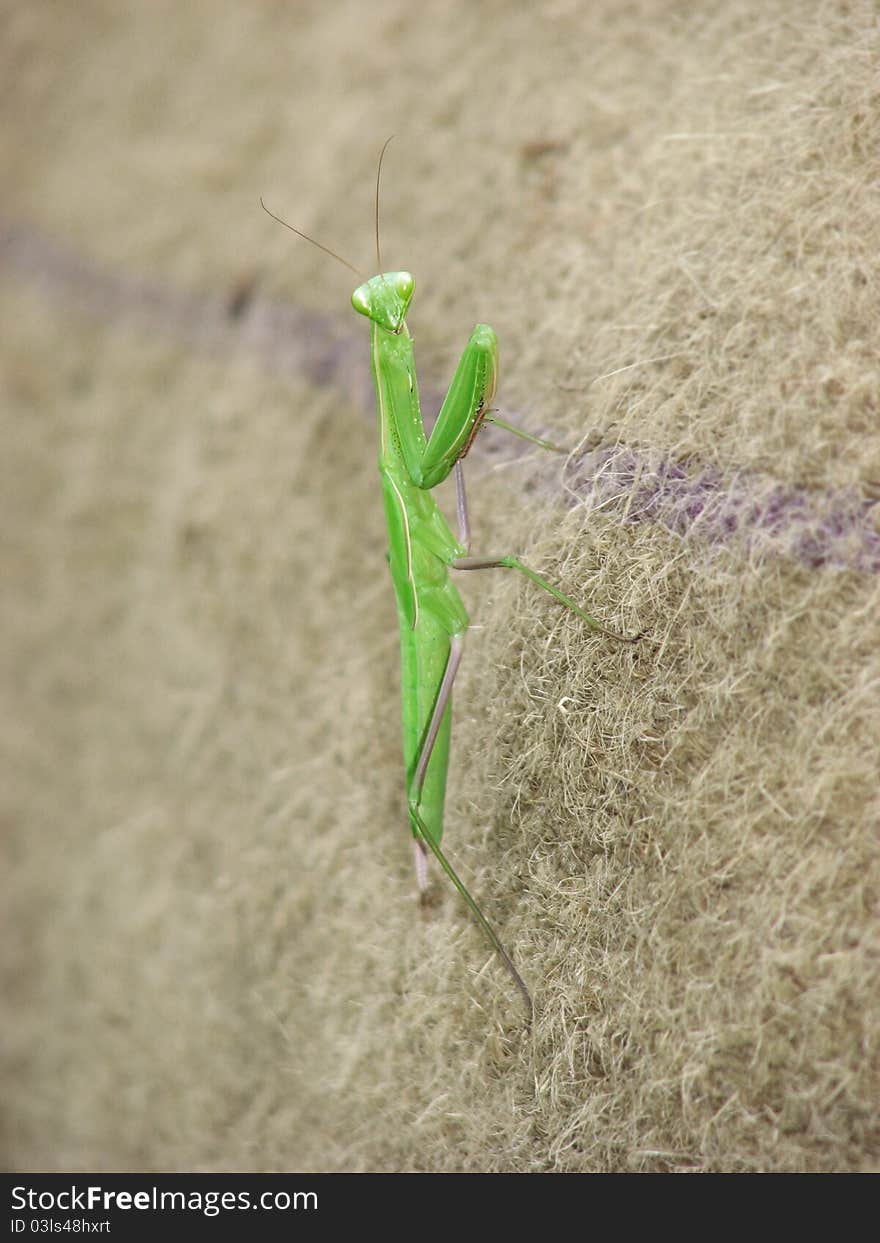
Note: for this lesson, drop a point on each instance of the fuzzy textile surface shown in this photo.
(213, 954)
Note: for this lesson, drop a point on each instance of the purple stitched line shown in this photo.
(837, 530)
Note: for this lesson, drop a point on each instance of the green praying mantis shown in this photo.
(423, 549)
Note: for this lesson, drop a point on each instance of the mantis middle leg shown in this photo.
(513, 563)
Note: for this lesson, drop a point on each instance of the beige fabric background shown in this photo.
(213, 955)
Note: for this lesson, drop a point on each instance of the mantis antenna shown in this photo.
(305, 236)
(378, 178)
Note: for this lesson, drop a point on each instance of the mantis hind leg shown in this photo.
(478, 915)
(425, 839)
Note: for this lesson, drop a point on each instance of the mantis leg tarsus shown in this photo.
(513, 563)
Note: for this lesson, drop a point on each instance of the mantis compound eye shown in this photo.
(360, 300)
(404, 284)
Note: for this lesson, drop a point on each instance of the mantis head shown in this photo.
(385, 299)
